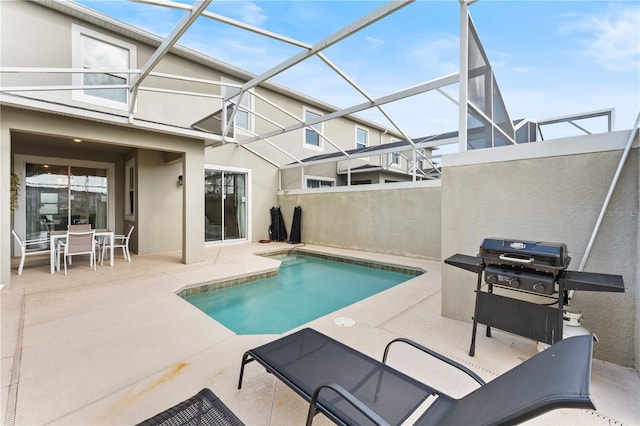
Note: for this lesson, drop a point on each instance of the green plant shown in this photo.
(15, 191)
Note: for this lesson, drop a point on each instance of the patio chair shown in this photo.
(30, 248)
(78, 243)
(119, 241)
(352, 388)
(205, 409)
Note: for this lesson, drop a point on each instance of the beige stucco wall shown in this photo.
(553, 198)
(400, 221)
(159, 204)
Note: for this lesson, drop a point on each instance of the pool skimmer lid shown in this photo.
(344, 322)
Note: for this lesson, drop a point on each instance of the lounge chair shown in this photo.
(351, 388)
(204, 408)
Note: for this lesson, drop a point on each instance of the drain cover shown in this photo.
(344, 322)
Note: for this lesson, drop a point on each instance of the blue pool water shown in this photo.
(305, 288)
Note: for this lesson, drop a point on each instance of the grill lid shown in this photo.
(526, 254)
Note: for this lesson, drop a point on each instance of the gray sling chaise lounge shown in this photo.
(351, 388)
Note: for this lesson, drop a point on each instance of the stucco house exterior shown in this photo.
(157, 161)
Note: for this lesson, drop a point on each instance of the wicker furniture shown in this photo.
(203, 409)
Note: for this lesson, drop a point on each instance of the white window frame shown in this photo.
(247, 97)
(307, 178)
(77, 33)
(320, 146)
(130, 186)
(366, 136)
(394, 158)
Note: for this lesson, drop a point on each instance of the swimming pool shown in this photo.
(305, 288)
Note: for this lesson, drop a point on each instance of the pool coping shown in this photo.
(193, 290)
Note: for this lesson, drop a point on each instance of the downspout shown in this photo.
(413, 152)
(383, 155)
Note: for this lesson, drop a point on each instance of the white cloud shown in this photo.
(611, 39)
(373, 43)
(438, 54)
(250, 13)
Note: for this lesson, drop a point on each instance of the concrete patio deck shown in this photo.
(116, 345)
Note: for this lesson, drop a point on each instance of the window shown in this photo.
(395, 158)
(312, 138)
(319, 182)
(362, 138)
(130, 190)
(92, 50)
(243, 118)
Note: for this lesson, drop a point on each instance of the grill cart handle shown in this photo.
(515, 259)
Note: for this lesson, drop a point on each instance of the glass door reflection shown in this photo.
(225, 205)
(59, 195)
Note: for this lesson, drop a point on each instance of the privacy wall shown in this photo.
(399, 221)
(549, 191)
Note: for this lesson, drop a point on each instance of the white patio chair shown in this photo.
(119, 241)
(78, 228)
(77, 243)
(30, 248)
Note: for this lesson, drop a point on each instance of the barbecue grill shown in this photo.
(526, 267)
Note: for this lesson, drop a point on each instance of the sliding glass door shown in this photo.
(59, 195)
(225, 205)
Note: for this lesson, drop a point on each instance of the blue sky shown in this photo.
(551, 58)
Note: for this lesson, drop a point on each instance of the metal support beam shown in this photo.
(356, 26)
(228, 21)
(463, 99)
(173, 37)
(363, 93)
(411, 91)
(612, 187)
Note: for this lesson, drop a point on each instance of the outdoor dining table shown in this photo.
(57, 235)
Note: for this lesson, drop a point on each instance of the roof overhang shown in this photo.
(37, 105)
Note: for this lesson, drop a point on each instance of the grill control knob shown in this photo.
(513, 282)
(538, 286)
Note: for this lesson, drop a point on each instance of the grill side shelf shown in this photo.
(591, 281)
(463, 261)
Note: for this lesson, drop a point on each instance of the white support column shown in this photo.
(5, 203)
(192, 201)
(464, 75)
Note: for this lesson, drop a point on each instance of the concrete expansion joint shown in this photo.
(609, 420)
(12, 400)
(406, 311)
